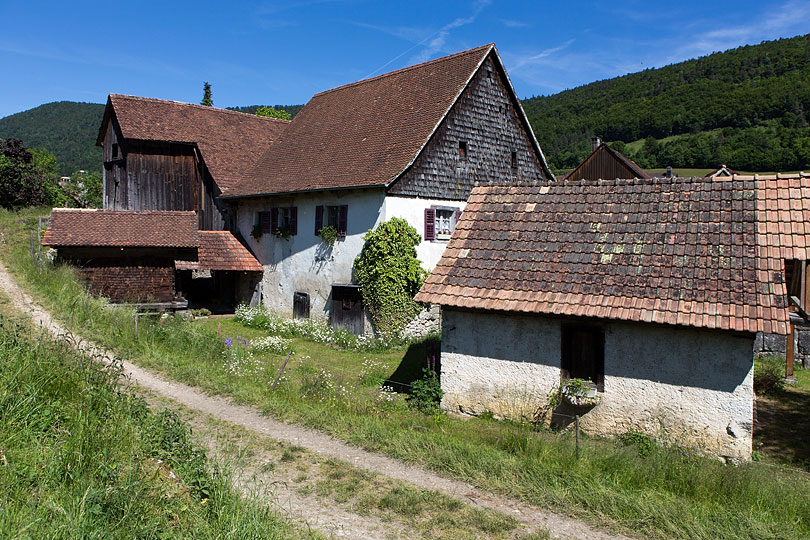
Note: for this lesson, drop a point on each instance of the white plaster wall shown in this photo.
(688, 386)
(413, 210)
(303, 263)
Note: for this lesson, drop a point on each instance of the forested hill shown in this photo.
(748, 107)
(66, 129)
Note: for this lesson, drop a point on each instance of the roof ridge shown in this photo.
(202, 107)
(408, 68)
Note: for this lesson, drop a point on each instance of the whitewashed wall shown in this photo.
(413, 210)
(690, 386)
(303, 263)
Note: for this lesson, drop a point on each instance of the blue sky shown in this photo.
(268, 52)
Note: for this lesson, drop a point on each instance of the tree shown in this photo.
(26, 179)
(271, 112)
(207, 100)
(389, 274)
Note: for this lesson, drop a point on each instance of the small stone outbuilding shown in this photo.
(653, 290)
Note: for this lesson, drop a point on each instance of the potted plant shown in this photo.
(256, 232)
(283, 233)
(579, 392)
(328, 234)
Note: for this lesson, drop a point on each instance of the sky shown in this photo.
(268, 52)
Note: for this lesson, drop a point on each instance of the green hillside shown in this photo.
(748, 107)
(66, 129)
(251, 109)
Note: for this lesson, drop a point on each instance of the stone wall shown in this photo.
(683, 385)
(775, 344)
(429, 321)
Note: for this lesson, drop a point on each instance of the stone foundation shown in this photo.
(427, 322)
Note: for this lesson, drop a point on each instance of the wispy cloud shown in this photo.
(538, 58)
(437, 43)
(509, 23)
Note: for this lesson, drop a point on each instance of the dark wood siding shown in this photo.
(158, 176)
(474, 145)
(604, 164)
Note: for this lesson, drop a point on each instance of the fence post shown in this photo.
(32, 246)
(576, 423)
(39, 242)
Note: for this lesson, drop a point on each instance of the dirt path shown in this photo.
(223, 409)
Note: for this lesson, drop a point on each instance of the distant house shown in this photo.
(653, 291)
(165, 155)
(411, 143)
(605, 163)
(722, 170)
(147, 257)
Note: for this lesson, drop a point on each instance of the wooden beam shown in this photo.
(789, 351)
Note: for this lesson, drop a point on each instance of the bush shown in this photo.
(390, 274)
(645, 444)
(768, 375)
(426, 393)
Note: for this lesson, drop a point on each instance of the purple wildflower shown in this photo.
(228, 342)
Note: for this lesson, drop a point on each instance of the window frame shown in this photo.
(431, 233)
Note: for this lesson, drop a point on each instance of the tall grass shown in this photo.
(82, 458)
(656, 493)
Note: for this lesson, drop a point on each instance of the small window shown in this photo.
(332, 216)
(489, 74)
(440, 223)
(115, 151)
(583, 354)
(514, 160)
(462, 149)
(281, 221)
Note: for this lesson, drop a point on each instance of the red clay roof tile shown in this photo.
(121, 228)
(221, 250)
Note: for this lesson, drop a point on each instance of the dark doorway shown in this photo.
(300, 305)
(347, 309)
(583, 354)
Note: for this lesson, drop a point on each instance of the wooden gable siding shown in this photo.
(605, 164)
(151, 175)
(486, 120)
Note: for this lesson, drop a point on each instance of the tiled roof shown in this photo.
(365, 133)
(606, 162)
(682, 251)
(783, 206)
(121, 228)
(230, 142)
(220, 250)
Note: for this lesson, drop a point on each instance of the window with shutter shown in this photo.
(264, 220)
(273, 220)
(343, 219)
(318, 219)
(293, 221)
(430, 224)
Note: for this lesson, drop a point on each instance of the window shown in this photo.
(796, 282)
(336, 216)
(462, 149)
(281, 221)
(440, 222)
(115, 151)
(514, 161)
(583, 354)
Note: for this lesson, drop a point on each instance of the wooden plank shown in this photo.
(789, 351)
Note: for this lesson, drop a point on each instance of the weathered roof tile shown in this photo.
(121, 228)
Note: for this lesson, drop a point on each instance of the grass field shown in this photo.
(82, 458)
(652, 491)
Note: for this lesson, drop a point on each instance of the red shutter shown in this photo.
(430, 224)
(264, 220)
(293, 221)
(318, 220)
(343, 219)
(273, 219)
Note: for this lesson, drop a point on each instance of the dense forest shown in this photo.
(748, 107)
(66, 129)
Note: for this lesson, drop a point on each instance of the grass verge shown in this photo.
(657, 493)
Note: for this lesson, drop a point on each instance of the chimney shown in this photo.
(595, 142)
(669, 171)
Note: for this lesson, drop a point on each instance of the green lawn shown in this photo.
(666, 493)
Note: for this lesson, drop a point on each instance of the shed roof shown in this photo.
(230, 142)
(221, 250)
(121, 228)
(685, 251)
(369, 132)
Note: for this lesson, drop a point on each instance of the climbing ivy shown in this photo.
(389, 274)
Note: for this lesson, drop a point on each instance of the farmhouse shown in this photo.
(165, 155)
(651, 289)
(411, 143)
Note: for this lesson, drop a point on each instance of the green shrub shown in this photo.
(426, 393)
(645, 444)
(768, 375)
(390, 274)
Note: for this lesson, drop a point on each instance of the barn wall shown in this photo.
(601, 165)
(688, 386)
(485, 117)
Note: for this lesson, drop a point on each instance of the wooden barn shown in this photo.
(605, 163)
(165, 155)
